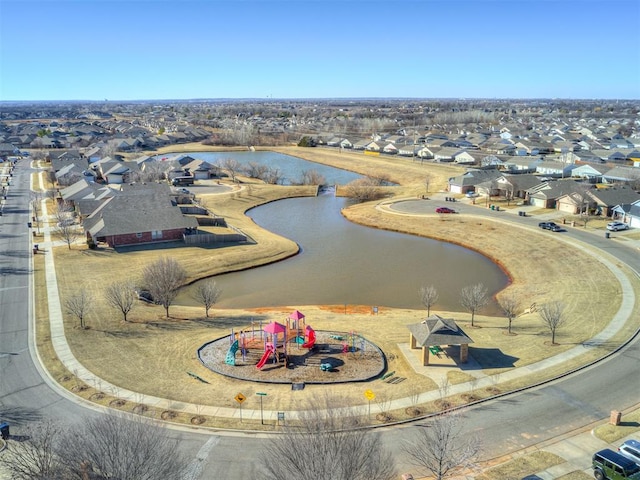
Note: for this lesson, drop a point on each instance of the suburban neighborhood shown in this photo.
(581, 158)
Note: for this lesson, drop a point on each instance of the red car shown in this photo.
(445, 210)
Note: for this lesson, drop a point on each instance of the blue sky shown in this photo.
(161, 49)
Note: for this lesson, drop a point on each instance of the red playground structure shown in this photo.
(273, 339)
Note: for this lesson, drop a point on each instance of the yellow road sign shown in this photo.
(240, 398)
(369, 394)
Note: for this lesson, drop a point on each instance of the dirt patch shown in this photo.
(117, 403)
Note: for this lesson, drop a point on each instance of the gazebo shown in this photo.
(435, 331)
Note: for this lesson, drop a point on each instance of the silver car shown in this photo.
(631, 450)
(615, 226)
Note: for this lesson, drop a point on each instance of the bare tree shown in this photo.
(233, 167)
(311, 177)
(427, 181)
(363, 190)
(256, 170)
(473, 298)
(163, 279)
(429, 296)
(121, 296)
(36, 208)
(326, 445)
(510, 307)
(273, 176)
(552, 314)
(441, 449)
(79, 305)
(36, 458)
(124, 448)
(207, 292)
(64, 215)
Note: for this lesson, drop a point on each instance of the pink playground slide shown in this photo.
(265, 357)
(311, 341)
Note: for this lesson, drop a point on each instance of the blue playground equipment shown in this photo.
(231, 354)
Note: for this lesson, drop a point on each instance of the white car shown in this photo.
(615, 226)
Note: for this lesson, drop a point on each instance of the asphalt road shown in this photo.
(506, 425)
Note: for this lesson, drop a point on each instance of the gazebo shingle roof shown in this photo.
(436, 330)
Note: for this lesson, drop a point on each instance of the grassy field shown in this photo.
(153, 355)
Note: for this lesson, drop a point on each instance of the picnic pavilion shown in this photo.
(435, 331)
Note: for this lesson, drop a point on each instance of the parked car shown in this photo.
(610, 465)
(631, 450)
(554, 227)
(445, 210)
(146, 296)
(615, 226)
(471, 194)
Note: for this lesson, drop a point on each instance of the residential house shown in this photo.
(117, 172)
(628, 213)
(589, 172)
(361, 144)
(521, 164)
(141, 214)
(622, 175)
(8, 149)
(471, 179)
(464, 158)
(552, 168)
(611, 156)
(605, 199)
(546, 194)
(84, 190)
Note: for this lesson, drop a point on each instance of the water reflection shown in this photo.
(343, 263)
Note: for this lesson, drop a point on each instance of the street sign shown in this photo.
(261, 394)
(240, 398)
(369, 394)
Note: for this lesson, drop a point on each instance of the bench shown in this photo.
(435, 350)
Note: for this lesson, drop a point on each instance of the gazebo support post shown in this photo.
(425, 356)
(412, 342)
(464, 352)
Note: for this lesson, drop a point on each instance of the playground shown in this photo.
(291, 351)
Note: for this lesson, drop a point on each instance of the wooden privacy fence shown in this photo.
(205, 237)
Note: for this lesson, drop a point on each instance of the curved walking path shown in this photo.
(64, 353)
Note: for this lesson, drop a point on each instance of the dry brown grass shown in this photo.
(151, 354)
(522, 466)
(612, 433)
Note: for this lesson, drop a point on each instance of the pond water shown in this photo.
(291, 168)
(343, 263)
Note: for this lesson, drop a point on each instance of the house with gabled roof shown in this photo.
(628, 213)
(605, 199)
(361, 144)
(546, 194)
(471, 179)
(611, 156)
(524, 164)
(621, 174)
(140, 214)
(84, 190)
(590, 172)
(553, 168)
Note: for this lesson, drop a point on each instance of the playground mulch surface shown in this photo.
(350, 360)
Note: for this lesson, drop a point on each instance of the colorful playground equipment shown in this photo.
(270, 349)
(310, 337)
(274, 338)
